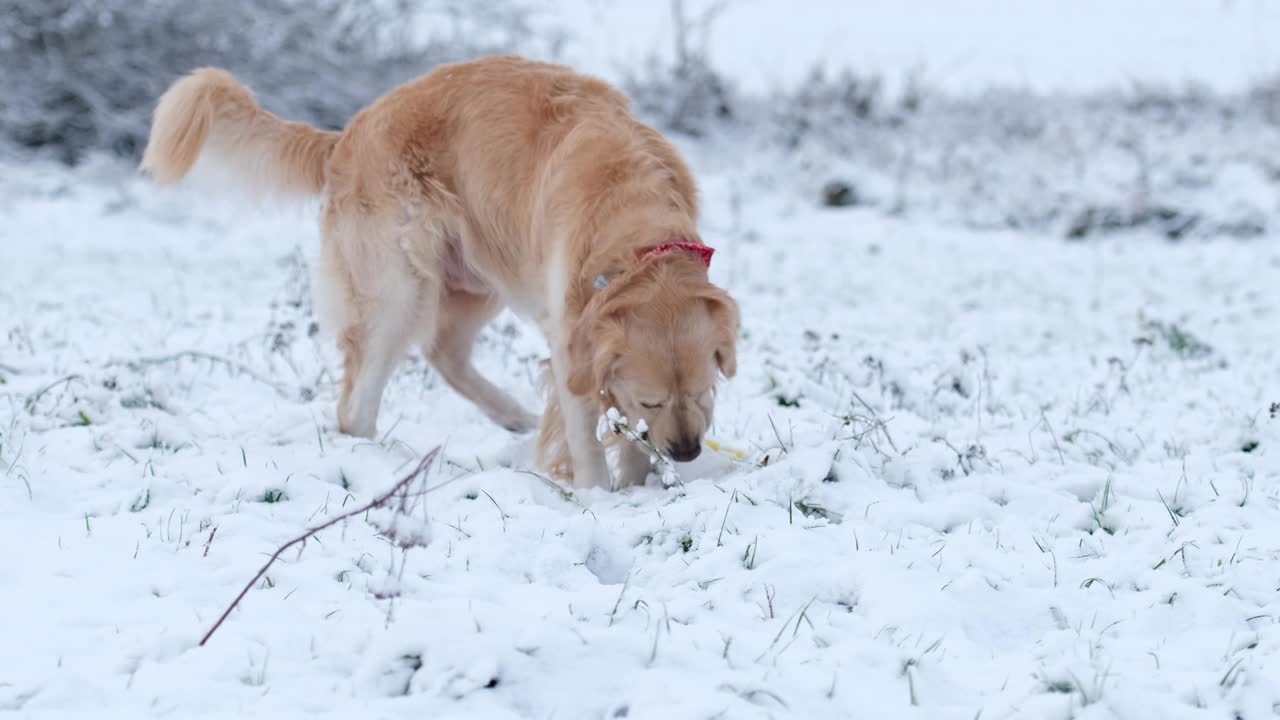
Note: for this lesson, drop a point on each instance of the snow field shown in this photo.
(1007, 477)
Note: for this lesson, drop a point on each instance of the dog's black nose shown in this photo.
(685, 450)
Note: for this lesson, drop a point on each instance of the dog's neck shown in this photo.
(631, 239)
(676, 247)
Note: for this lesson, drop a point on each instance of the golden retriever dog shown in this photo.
(496, 183)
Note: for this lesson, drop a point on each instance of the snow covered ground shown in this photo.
(988, 473)
(1007, 476)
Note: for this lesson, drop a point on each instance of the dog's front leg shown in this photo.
(633, 464)
(581, 416)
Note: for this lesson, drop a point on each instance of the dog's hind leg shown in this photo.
(462, 315)
(385, 300)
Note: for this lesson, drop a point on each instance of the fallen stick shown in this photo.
(401, 487)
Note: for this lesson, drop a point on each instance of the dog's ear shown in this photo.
(594, 345)
(724, 314)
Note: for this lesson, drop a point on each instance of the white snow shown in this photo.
(999, 545)
(1007, 476)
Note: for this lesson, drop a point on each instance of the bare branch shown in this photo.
(399, 488)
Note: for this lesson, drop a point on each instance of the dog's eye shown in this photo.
(652, 406)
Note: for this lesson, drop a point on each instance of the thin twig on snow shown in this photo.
(400, 487)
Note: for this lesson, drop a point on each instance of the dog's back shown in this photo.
(478, 134)
(489, 133)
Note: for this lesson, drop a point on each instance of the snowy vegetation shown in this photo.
(1006, 410)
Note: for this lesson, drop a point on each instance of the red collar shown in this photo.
(702, 251)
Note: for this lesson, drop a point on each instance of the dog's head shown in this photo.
(653, 343)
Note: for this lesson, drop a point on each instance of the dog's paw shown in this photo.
(521, 422)
(585, 480)
(357, 428)
(633, 478)
(634, 466)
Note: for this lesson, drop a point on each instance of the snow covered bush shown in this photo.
(83, 75)
(685, 95)
(1177, 165)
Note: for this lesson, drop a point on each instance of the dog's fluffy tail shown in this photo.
(209, 112)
